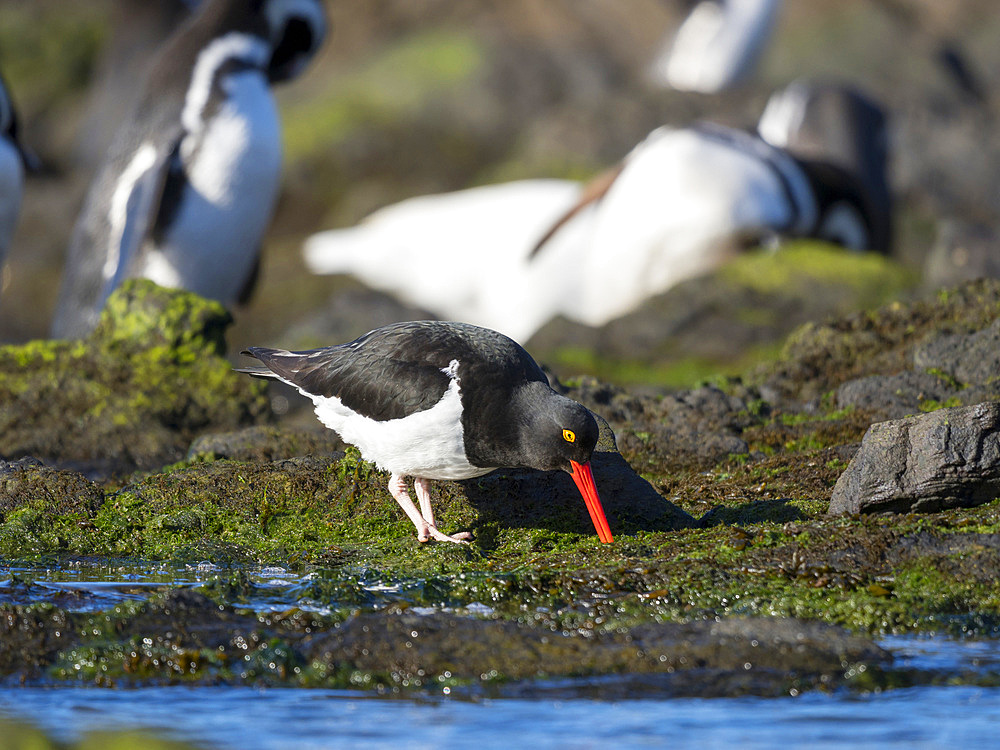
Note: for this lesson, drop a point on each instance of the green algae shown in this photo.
(768, 550)
(21, 736)
(801, 265)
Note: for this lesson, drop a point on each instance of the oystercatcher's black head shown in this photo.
(558, 433)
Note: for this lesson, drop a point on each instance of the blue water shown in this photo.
(253, 719)
(248, 719)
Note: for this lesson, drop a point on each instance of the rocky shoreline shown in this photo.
(728, 549)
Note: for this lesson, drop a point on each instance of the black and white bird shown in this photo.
(514, 256)
(14, 160)
(191, 178)
(840, 138)
(435, 400)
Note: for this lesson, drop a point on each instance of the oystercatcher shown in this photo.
(190, 181)
(512, 257)
(436, 400)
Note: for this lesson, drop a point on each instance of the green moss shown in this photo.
(682, 371)
(930, 404)
(873, 278)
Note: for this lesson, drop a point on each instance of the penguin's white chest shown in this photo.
(233, 173)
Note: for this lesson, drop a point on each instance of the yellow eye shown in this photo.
(569, 436)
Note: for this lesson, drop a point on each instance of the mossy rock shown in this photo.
(134, 394)
(237, 511)
(820, 356)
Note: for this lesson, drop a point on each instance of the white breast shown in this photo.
(427, 444)
(233, 183)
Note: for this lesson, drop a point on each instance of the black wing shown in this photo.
(398, 370)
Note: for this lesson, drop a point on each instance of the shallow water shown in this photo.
(252, 719)
(236, 717)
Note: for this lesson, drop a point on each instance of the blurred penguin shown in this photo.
(137, 28)
(514, 256)
(717, 46)
(840, 135)
(190, 182)
(15, 159)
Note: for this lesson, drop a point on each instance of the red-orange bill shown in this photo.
(585, 483)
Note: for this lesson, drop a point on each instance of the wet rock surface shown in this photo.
(185, 636)
(946, 459)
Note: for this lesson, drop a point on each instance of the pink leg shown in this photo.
(423, 489)
(425, 530)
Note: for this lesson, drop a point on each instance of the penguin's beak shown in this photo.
(585, 483)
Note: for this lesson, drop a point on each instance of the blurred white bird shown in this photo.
(511, 257)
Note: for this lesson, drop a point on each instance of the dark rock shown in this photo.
(777, 652)
(168, 637)
(963, 251)
(31, 637)
(969, 557)
(972, 359)
(894, 396)
(979, 394)
(699, 427)
(820, 356)
(523, 498)
(704, 424)
(945, 459)
(265, 443)
(6, 467)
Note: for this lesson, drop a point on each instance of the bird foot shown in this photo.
(431, 532)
